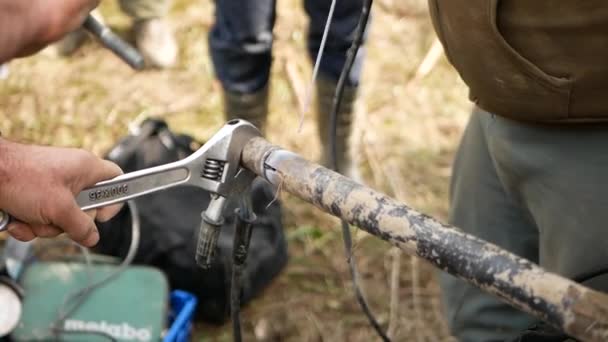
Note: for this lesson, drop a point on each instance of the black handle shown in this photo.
(207, 241)
(242, 235)
(110, 40)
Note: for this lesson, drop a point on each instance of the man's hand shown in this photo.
(38, 187)
(28, 26)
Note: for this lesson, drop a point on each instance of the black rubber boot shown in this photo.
(344, 157)
(252, 107)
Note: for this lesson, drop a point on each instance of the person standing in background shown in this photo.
(241, 42)
(529, 175)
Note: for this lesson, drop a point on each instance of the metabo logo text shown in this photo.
(120, 331)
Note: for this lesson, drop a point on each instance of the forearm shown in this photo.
(13, 172)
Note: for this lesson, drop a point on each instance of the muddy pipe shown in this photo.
(577, 310)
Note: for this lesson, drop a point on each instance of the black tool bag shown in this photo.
(170, 220)
(543, 332)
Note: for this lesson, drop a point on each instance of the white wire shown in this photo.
(81, 295)
(75, 299)
(315, 71)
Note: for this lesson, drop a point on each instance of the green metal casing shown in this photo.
(132, 307)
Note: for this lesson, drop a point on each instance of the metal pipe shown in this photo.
(110, 40)
(577, 310)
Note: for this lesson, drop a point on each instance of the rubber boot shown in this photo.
(344, 156)
(252, 107)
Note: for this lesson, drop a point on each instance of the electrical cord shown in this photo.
(337, 101)
(235, 304)
(244, 218)
(81, 295)
(590, 275)
(359, 294)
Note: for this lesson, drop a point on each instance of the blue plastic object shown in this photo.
(182, 312)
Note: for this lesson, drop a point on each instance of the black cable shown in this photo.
(348, 246)
(590, 275)
(235, 304)
(244, 218)
(348, 65)
(337, 101)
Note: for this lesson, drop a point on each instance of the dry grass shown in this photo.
(407, 135)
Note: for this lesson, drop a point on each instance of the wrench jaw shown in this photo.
(222, 175)
(220, 171)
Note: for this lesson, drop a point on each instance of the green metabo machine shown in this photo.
(78, 301)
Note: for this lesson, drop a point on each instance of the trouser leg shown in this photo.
(559, 172)
(482, 205)
(340, 37)
(240, 43)
(241, 51)
(553, 178)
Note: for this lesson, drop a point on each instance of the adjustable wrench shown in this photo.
(215, 167)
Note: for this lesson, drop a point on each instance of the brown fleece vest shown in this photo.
(533, 60)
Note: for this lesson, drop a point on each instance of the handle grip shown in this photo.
(110, 40)
(126, 187)
(209, 231)
(208, 235)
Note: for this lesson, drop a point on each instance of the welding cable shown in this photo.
(244, 219)
(337, 101)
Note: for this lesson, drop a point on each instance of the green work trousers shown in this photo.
(538, 191)
(145, 9)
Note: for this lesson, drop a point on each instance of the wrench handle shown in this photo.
(129, 186)
(124, 188)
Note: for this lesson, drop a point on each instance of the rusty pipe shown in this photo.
(577, 310)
